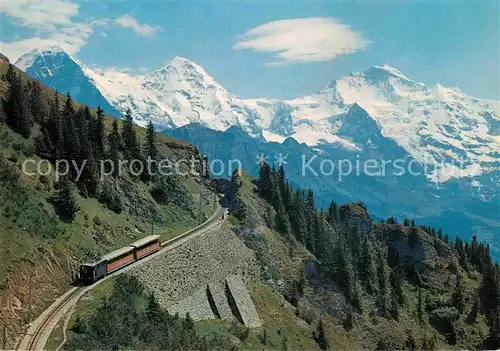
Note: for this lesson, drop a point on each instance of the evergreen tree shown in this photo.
(383, 287)
(129, 137)
(411, 343)
(429, 342)
(320, 336)
(153, 309)
(38, 107)
(71, 139)
(115, 145)
(98, 134)
(439, 233)
(396, 279)
(297, 216)
(393, 306)
(489, 294)
(16, 107)
(265, 180)
(346, 276)
(333, 213)
(64, 201)
(2, 112)
(367, 268)
(150, 146)
(420, 307)
(55, 127)
(458, 298)
(392, 220)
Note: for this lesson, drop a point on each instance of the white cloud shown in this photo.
(127, 21)
(52, 23)
(16, 49)
(41, 15)
(303, 40)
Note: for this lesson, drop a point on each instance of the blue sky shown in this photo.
(453, 43)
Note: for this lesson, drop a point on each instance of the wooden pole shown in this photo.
(201, 220)
(4, 337)
(152, 223)
(29, 300)
(215, 194)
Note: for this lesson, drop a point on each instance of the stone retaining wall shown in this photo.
(192, 277)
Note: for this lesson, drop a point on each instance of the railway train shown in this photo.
(113, 261)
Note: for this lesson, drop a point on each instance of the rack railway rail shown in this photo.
(40, 329)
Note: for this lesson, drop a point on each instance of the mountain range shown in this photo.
(380, 114)
(436, 125)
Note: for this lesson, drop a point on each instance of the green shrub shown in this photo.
(239, 330)
(171, 190)
(133, 320)
(109, 198)
(8, 174)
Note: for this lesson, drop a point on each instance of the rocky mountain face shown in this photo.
(453, 140)
(55, 68)
(423, 271)
(456, 205)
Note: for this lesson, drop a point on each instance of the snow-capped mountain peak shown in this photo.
(56, 68)
(179, 73)
(432, 124)
(27, 60)
(391, 71)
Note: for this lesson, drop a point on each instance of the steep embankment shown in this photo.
(39, 249)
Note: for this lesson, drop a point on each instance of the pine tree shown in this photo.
(64, 201)
(98, 134)
(2, 112)
(38, 107)
(265, 181)
(284, 343)
(115, 145)
(383, 287)
(333, 213)
(71, 139)
(366, 267)
(392, 220)
(489, 293)
(16, 107)
(411, 343)
(55, 128)
(129, 137)
(429, 342)
(150, 146)
(439, 233)
(458, 298)
(298, 221)
(420, 307)
(264, 338)
(153, 309)
(310, 214)
(89, 181)
(346, 276)
(320, 336)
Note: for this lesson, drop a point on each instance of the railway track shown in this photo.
(40, 329)
(36, 338)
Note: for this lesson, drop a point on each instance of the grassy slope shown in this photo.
(282, 261)
(95, 230)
